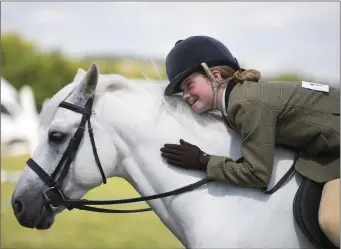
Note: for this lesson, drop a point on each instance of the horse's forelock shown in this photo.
(50, 108)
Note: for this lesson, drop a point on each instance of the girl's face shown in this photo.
(197, 92)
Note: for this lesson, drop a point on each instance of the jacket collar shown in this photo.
(227, 93)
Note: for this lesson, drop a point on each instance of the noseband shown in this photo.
(55, 197)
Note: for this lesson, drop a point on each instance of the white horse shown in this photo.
(131, 122)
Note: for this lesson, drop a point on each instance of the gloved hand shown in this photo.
(185, 155)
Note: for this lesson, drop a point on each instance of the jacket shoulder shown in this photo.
(266, 92)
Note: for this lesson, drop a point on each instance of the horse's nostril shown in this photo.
(18, 207)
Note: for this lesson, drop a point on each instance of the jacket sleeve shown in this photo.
(257, 124)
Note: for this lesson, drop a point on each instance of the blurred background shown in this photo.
(43, 45)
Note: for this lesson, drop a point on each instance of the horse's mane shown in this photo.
(152, 94)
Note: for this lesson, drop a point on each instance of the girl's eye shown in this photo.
(188, 85)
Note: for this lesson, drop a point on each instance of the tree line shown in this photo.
(24, 63)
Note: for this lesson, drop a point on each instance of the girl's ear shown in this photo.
(216, 75)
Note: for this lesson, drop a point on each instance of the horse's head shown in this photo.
(65, 163)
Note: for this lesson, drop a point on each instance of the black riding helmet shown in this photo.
(187, 55)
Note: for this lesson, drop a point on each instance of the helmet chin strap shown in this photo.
(214, 85)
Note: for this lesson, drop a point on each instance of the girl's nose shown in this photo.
(186, 96)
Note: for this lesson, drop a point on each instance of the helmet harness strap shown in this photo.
(214, 85)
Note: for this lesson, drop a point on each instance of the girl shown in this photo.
(301, 115)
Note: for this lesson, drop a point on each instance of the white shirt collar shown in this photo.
(223, 103)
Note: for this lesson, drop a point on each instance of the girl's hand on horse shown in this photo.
(185, 155)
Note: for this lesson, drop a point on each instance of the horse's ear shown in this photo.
(87, 86)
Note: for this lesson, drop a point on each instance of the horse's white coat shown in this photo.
(131, 123)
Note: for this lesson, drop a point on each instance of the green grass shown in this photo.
(13, 163)
(81, 229)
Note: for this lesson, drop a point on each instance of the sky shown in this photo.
(267, 36)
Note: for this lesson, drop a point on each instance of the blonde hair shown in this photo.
(228, 75)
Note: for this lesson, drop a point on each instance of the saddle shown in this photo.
(305, 207)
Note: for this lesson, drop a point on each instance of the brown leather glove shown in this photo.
(185, 155)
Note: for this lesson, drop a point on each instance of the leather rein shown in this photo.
(55, 197)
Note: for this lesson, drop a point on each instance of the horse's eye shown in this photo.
(56, 136)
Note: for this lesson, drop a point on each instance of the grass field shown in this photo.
(81, 229)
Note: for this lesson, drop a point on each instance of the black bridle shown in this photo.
(55, 197)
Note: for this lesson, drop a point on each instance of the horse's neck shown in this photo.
(144, 128)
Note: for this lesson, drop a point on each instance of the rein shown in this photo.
(54, 196)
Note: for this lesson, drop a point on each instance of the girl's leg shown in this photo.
(329, 211)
